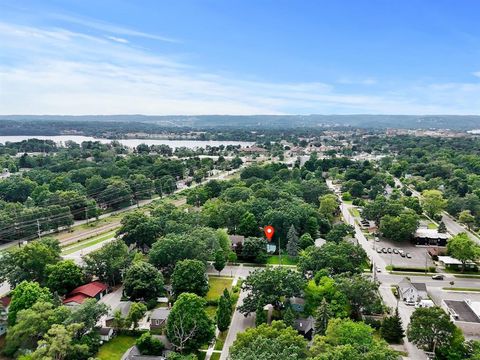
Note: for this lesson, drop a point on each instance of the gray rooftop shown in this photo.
(160, 313)
(464, 312)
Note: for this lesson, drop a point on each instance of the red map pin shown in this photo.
(269, 231)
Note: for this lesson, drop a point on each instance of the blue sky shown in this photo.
(240, 57)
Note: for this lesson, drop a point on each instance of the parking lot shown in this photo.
(418, 255)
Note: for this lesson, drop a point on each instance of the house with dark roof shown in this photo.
(123, 307)
(305, 327)
(134, 354)
(158, 317)
(93, 290)
(412, 292)
(236, 241)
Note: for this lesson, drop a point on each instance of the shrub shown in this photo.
(149, 345)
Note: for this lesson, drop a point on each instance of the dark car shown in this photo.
(438, 277)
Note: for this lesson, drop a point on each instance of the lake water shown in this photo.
(61, 139)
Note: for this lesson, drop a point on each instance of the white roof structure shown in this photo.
(448, 260)
(430, 234)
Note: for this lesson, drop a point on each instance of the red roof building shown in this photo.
(5, 301)
(93, 290)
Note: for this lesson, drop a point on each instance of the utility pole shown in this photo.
(38, 229)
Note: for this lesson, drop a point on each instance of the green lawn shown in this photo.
(217, 285)
(115, 348)
(461, 289)
(220, 340)
(432, 225)
(354, 212)
(87, 243)
(286, 260)
(215, 356)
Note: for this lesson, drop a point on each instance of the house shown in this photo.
(106, 333)
(297, 304)
(236, 241)
(429, 237)
(305, 327)
(158, 318)
(253, 150)
(451, 263)
(412, 292)
(123, 307)
(93, 290)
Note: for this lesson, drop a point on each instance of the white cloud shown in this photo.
(117, 39)
(58, 71)
(477, 74)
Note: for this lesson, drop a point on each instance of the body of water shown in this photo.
(61, 139)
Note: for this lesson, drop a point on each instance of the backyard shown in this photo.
(115, 348)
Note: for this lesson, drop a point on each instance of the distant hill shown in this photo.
(454, 122)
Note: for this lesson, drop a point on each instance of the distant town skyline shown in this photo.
(239, 57)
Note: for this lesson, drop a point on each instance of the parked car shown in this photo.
(438, 277)
(389, 250)
(408, 255)
(379, 250)
(395, 251)
(402, 253)
(425, 304)
(384, 250)
(377, 239)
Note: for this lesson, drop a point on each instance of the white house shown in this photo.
(412, 292)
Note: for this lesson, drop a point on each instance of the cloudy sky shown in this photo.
(240, 57)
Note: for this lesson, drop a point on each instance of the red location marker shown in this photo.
(269, 231)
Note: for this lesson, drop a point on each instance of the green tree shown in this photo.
(31, 325)
(219, 261)
(109, 262)
(339, 232)
(139, 229)
(88, 313)
(136, 313)
(270, 286)
(361, 292)
(254, 250)
(399, 228)
(64, 276)
(149, 345)
(29, 262)
(143, 282)
(59, 344)
(189, 276)
(433, 202)
(430, 328)
(292, 244)
(335, 258)
(289, 317)
(248, 225)
(463, 248)
(466, 217)
(346, 339)
(188, 325)
(269, 343)
(328, 206)
(306, 240)
(224, 313)
(392, 329)
(24, 296)
(322, 316)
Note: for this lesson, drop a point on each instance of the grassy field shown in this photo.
(115, 348)
(432, 225)
(461, 289)
(87, 243)
(215, 356)
(217, 285)
(354, 212)
(286, 260)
